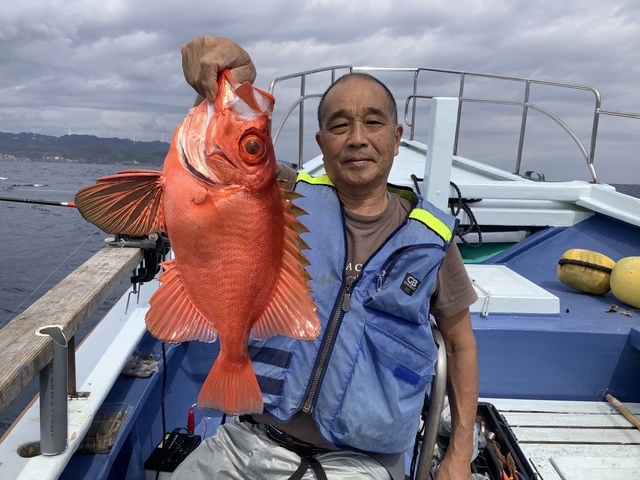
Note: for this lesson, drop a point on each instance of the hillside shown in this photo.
(80, 149)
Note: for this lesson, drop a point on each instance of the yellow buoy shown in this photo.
(585, 270)
(625, 281)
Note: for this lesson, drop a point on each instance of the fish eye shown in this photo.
(253, 148)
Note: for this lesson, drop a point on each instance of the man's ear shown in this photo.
(398, 137)
(319, 140)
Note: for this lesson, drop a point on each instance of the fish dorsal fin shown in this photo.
(172, 318)
(245, 93)
(129, 203)
(291, 311)
(230, 92)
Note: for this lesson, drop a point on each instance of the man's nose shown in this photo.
(358, 134)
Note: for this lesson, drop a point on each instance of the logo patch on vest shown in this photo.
(410, 284)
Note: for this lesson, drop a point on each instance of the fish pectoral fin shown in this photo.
(291, 311)
(172, 318)
(129, 203)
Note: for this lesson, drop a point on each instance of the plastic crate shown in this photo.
(487, 461)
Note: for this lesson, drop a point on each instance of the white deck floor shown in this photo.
(575, 440)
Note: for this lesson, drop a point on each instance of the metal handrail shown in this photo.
(588, 153)
(436, 404)
(299, 102)
(545, 112)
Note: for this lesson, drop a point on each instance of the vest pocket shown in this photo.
(382, 403)
(404, 283)
(408, 365)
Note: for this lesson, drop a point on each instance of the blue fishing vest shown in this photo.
(365, 377)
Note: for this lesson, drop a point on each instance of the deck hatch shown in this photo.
(501, 290)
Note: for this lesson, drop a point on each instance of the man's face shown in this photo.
(358, 137)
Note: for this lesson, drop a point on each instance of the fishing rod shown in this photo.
(38, 202)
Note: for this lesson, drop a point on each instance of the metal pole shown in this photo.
(523, 126)
(53, 395)
(438, 391)
(71, 367)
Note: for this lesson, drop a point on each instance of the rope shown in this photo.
(580, 263)
(463, 204)
(459, 204)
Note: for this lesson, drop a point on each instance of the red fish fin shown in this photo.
(172, 318)
(291, 311)
(231, 388)
(245, 92)
(129, 202)
(257, 100)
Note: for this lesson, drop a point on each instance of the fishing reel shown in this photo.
(155, 248)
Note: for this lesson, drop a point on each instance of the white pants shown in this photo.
(238, 450)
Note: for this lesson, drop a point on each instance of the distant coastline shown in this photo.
(88, 149)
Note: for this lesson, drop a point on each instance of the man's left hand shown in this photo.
(205, 57)
(450, 470)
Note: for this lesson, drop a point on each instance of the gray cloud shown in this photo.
(114, 68)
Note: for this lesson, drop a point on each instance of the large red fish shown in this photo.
(238, 267)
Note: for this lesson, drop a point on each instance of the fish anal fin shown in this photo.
(172, 318)
(129, 203)
(231, 388)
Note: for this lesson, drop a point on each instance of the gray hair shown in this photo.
(364, 76)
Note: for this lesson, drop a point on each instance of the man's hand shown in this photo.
(204, 57)
(450, 470)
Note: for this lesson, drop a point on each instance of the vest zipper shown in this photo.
(328, 343)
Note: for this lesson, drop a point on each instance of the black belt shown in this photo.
(292, 443)
(304, 449)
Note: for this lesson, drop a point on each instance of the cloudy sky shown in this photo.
(113, 67)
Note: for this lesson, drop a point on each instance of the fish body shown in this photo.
(238, 266)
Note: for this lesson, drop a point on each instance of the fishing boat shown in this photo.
(558, 366)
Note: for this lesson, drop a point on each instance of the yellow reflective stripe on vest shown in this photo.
(433, 222)
(321, 180)
(430, 220)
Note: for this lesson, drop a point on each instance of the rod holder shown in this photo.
(53, 394)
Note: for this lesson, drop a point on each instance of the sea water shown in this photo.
(40, 244)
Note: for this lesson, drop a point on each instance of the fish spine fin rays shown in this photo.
(291, 311)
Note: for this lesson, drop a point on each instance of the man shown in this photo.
(368, 370)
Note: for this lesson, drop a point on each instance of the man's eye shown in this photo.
(338, 127)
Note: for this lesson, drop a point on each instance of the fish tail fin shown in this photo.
(231, 388)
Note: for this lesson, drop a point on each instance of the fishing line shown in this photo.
(162, 410)
(49, 276)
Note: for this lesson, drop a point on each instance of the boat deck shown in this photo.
(574, 440)
(580, 353)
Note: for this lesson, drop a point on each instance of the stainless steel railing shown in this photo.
(587, 150)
